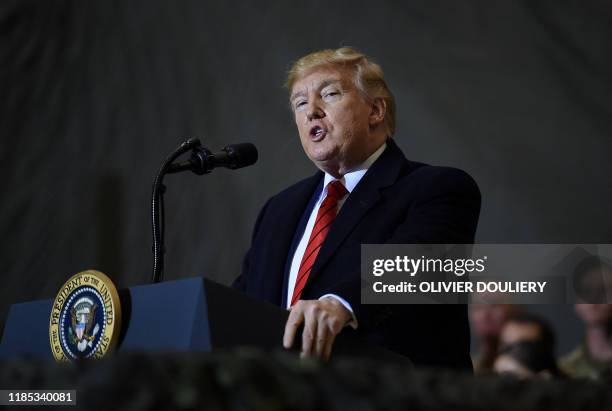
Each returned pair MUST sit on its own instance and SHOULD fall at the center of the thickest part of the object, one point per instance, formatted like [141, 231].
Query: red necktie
[325, 217]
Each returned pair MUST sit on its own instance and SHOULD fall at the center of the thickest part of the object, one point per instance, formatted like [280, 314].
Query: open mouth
[317, 133]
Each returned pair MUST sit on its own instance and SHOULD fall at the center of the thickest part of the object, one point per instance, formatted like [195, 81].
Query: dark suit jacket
[397, 202]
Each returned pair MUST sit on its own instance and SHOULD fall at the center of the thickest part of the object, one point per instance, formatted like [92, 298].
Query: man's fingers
[296, 316]
[310, 330]
[328, 346]
[323, 335]
[322, 321]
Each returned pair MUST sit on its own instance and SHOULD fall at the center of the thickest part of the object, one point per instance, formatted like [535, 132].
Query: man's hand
[322, 319]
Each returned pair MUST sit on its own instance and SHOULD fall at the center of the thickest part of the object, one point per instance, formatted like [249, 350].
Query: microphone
[203, 161]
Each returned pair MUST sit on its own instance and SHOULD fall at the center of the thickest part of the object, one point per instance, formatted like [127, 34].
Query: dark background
[94, 95]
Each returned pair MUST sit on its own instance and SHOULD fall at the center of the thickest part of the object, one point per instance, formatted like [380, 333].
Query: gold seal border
[112, 329]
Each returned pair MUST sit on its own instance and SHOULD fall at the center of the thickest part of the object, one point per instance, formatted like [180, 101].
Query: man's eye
[299, 104]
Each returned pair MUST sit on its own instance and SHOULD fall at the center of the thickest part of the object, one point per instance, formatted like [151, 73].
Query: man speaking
[305, 251]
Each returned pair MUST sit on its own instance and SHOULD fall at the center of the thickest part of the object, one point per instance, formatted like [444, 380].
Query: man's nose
[314, 112]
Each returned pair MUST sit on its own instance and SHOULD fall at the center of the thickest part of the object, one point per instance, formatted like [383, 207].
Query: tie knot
[336, 190]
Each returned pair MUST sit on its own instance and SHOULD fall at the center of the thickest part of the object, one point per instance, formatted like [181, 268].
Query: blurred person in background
[527, 327]
[527, 359]
[486, 321]
[593, 285]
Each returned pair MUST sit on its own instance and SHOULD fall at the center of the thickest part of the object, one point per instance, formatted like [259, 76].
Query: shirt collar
[350, 180]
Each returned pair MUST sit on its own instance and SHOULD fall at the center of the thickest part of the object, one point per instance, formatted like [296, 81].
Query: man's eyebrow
[327, 82]
[320, 86]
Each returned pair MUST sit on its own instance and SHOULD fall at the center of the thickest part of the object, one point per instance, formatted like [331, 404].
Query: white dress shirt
[350, 181]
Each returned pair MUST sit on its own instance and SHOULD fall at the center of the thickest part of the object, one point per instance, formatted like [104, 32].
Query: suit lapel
[383, 173]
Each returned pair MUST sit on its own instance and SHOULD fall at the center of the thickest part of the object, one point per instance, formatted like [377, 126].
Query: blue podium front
[169, 316]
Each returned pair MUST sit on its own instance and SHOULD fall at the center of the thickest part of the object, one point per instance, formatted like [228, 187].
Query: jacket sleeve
[240, 282]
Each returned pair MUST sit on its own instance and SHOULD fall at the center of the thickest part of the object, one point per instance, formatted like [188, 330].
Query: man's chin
[321, 157]
[326, 160]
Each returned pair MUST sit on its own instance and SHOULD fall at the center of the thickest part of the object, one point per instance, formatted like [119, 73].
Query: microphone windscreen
[241, 155]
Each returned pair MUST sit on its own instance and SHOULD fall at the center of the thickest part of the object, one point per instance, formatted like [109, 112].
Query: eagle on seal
[82, 316]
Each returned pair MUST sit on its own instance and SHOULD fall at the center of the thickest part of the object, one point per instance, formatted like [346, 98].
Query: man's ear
[378, 111]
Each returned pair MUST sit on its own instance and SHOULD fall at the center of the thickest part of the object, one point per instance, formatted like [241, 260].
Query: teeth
[317, 131]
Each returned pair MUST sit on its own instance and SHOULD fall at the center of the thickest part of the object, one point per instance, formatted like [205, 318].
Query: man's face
[594, 314]
[487, 320]
[513, 332]
[335, 123]
[595, 287]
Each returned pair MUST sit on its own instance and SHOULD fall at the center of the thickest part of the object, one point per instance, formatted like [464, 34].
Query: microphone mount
[203, 161]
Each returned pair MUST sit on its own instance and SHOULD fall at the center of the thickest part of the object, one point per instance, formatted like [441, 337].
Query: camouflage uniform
[579, 364]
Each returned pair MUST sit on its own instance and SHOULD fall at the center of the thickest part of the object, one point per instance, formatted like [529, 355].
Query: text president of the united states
[305, 251]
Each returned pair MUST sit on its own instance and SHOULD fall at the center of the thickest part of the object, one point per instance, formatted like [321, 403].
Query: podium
[194, 314]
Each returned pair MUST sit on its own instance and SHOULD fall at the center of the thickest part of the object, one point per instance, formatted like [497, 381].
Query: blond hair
[369, 77]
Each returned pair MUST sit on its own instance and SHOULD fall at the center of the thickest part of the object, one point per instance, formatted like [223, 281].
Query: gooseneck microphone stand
[202, 161]
[157, 208]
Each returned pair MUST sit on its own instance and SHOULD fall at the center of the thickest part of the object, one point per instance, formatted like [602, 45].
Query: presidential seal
[85, 318]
